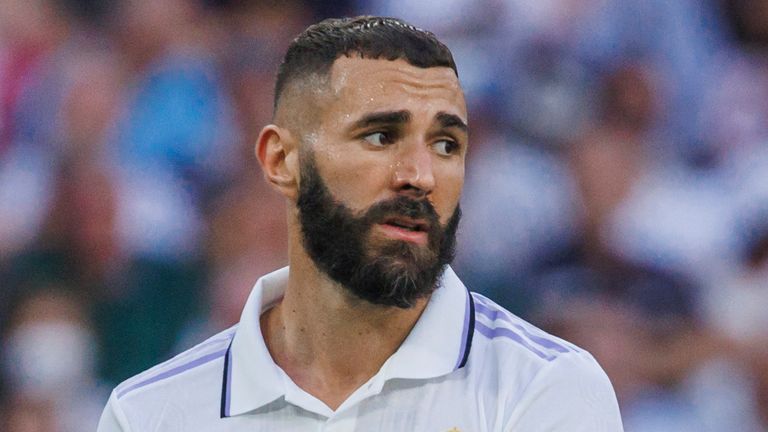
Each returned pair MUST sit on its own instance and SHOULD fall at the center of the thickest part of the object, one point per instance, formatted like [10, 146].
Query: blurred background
[616, 195]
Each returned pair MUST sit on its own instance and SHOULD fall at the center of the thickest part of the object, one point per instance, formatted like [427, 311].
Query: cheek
[358, 189]
[357, 182]
[448, 193]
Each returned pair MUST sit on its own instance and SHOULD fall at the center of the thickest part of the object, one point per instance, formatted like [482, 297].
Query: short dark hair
[316, 49]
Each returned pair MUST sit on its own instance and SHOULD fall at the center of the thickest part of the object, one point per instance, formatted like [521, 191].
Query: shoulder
[189, 380]
[502, 334]
[540, 377]
[176, 369]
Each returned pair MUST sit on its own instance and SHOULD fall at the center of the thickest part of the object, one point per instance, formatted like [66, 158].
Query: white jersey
[467, 366]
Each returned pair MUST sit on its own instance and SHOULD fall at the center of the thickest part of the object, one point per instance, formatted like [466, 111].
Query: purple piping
[541, 341]
[501, 332]
[173, 372]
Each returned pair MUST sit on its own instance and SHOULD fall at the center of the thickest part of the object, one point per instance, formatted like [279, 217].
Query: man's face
[381, 177]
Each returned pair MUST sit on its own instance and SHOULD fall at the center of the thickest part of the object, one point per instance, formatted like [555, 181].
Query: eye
[379, 139]
[446, 147]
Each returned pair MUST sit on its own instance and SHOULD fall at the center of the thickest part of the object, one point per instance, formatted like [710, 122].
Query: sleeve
[113, 419]
[570, 394]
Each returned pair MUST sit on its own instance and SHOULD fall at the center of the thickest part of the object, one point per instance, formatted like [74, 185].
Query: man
[369, 329]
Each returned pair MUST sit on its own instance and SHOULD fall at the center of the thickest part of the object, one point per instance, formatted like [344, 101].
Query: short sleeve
[573, 394]
[113, 419]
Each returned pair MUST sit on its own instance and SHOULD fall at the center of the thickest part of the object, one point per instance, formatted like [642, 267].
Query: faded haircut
[315, 50]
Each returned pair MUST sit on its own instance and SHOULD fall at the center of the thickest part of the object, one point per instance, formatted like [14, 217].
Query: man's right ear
[277, 152]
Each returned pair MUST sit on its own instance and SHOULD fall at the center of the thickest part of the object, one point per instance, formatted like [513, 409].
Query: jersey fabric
[467, 366]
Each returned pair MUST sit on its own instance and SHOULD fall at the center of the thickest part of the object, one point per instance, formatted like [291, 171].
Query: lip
[419, 224]
[398, 233]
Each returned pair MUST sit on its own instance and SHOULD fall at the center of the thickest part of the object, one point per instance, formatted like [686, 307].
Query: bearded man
[369, 329]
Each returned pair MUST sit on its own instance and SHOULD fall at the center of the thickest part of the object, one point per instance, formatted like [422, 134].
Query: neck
[326, 340]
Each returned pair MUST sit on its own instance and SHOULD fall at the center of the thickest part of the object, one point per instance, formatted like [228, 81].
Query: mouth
[405, 229]
[410, 224]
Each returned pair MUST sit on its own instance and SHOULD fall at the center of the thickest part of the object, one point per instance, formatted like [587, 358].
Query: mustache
[403, 206]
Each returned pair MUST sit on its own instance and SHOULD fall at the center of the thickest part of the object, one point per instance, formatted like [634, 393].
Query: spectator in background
[29, 31]
[62, 107]
[735, 122]
[49, 58]
[63, 176]
[645, 328]
[734, 304]
[49, 363]
[173, 140]
[137, 304]
[611, 157]
[177, 116]
[684, 216]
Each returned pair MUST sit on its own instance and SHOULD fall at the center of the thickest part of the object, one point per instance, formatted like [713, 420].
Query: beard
[380, 271]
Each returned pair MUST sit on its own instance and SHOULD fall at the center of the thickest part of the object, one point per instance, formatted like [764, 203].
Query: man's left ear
[278, 155]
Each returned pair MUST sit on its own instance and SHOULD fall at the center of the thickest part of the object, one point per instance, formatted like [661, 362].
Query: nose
[413, 170]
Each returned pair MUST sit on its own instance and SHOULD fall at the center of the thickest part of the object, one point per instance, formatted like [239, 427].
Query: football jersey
[467, 365]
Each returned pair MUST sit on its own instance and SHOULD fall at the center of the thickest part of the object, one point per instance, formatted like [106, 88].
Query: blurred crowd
[616, 193]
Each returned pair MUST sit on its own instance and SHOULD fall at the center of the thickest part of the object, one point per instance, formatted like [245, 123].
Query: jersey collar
[438, 345]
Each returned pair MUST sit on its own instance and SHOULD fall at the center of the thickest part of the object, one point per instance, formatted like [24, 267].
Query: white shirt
[467, 366]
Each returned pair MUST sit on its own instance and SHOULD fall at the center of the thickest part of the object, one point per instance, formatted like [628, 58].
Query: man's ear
[277, 152]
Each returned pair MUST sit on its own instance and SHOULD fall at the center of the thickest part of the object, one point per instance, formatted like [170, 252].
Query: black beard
[387, 273]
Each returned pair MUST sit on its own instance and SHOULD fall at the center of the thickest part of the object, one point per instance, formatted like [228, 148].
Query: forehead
[359, 86]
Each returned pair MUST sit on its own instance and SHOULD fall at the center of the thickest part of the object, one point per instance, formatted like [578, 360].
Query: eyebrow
[451, 120]
[445, 120]
[383, 118]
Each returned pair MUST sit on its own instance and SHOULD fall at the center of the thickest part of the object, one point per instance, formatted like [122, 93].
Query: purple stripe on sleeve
[501, 332]
[224, 337]
[173, 372]
[493, 314]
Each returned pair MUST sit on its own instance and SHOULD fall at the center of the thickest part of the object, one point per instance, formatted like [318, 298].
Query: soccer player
[369, 329]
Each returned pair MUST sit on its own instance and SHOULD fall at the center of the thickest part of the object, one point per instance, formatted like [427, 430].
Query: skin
[326, 340]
